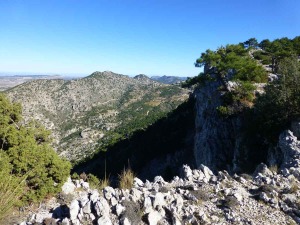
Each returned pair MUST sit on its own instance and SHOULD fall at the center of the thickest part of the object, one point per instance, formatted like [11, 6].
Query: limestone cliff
[217, 138]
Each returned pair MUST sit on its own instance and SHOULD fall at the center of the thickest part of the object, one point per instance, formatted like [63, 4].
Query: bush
[236, 100]
[11, 188]
[201, 79]
[280, 104]
[126, 179]
[263, 57]
[96, 183]
[224, 111]
[27, 149]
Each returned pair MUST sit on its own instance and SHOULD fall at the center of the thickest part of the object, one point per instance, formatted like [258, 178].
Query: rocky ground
[269, 196]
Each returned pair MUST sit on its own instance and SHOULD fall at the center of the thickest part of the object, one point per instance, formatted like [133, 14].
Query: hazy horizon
[131, 36]
[11, 74]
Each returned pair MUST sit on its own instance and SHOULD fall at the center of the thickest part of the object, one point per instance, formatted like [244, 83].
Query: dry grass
[294, 188]
[274, 168]
[104, 183]
[126, 179]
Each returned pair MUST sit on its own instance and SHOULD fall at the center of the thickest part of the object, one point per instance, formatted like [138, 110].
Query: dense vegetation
[242, 64]
[136, 116]
[167, 135]
[272, 52]
[280, 104]
[25, 154]
[234, 59]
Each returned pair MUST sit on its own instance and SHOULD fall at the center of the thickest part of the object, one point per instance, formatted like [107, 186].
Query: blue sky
[153, 37]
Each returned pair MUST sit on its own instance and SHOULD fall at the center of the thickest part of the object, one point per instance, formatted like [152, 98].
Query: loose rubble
[199, 196]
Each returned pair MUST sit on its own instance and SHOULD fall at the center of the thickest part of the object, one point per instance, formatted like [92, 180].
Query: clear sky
[153, 37]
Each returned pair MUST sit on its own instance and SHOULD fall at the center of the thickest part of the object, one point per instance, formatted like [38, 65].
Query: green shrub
[75, 176]
[12, 188]
[280, 104]
[263, 57]
[224, 110]
[27, 147]
[236, 100]
[201, 79]
[93, 181]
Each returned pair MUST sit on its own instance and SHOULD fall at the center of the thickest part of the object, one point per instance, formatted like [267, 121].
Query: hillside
[168, 79]
[103, 106]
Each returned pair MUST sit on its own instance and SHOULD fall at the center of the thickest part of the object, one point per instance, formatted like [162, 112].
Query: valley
[88, 114]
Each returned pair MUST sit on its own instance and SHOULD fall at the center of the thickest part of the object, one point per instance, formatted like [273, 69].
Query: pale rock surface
[74, 209]
[198, 197]
[68, 186]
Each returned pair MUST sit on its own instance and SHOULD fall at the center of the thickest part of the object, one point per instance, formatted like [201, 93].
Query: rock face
[290, 149]
[81, 112]
[217, 139]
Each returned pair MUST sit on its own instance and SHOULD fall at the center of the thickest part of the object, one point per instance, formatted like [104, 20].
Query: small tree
[28, 151]
[251, 43]
[264, 44]
[280, 104]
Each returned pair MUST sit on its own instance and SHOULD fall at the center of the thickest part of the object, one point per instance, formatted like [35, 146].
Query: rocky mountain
[168, 79]
[103, 106]
[269, 196]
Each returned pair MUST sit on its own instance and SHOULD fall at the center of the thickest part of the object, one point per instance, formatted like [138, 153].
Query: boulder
[87, 209]
[263, 171]
[147, 205]
[125, 221]
[109, 192]
[207, 172]
[94, 196]
[137, 182]
[68, 187]
[119, 209]
[65, 221]
[102, 207]
[135, 194]
[187, 172]
[153, 217]
[74, 210]
[159, 200]
[104, 220]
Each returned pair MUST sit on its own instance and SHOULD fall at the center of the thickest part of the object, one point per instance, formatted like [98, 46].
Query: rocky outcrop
[217, 139]
[289, 151]
[198, 197]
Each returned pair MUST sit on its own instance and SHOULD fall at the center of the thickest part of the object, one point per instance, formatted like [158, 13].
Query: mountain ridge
[80, 112]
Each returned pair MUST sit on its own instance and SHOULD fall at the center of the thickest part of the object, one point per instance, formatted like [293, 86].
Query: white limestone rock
[109, 192]
[104, 220]
[153, 217]
[74, 210]
[68, 187]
